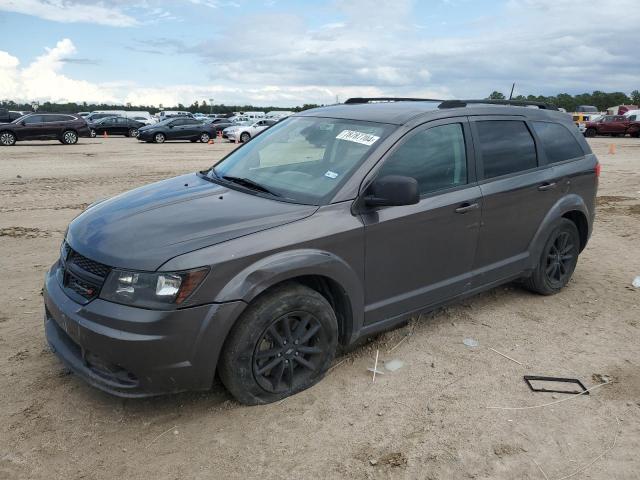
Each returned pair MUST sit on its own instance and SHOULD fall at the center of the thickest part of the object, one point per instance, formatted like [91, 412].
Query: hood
[144, 228]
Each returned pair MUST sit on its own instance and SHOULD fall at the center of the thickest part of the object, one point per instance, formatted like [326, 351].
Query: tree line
[600, 100]
[196, 106]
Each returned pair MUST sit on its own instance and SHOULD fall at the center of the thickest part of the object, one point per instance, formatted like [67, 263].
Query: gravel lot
[428, 419]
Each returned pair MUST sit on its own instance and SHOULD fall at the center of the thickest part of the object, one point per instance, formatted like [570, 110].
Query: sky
[287, 53]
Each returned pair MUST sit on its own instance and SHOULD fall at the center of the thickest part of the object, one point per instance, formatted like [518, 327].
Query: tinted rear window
[506, 146]
[557, 142]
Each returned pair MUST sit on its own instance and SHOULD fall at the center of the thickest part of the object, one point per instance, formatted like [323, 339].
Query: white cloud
[43, 80]
[68, 11]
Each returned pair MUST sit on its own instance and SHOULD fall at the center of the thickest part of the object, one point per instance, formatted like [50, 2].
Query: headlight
[158, 290]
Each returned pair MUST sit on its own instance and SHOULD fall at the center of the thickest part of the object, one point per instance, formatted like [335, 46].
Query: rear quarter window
[506, 146]
[557, 142]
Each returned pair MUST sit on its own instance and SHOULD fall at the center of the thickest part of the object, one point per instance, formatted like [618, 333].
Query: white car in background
[244, 133]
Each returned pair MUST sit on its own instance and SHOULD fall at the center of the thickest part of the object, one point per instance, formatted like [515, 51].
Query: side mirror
[392, 191]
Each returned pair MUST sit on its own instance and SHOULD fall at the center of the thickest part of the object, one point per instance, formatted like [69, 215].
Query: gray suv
[332, 225]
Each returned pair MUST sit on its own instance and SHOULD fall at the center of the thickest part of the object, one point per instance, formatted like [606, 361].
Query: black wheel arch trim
[300, 265]
[562, 208]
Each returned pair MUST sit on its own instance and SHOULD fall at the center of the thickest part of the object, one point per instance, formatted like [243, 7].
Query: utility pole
[211, 105]
[512, 87]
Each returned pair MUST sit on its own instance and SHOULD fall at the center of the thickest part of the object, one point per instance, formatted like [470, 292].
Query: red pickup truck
[613, 125]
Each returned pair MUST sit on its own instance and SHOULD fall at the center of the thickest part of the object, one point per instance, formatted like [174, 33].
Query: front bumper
[133, 352]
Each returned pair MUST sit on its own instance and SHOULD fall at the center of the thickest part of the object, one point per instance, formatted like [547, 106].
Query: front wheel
[590, 132]
[282, 344]
[204, 137]
[245, 137]
[69, 137]
[159, 138]
[93, 133]
[558, 260]
[7, 139]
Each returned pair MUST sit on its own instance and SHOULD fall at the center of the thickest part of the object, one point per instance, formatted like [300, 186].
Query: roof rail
[388, 99]
[519, 103]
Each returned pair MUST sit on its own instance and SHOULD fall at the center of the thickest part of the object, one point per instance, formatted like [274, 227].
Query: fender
[565, 204]
[282, 266]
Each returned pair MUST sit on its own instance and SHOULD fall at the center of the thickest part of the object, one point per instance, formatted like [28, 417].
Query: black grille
[81, 276]
[88, 265]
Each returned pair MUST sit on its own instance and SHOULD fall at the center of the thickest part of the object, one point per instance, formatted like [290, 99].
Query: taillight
[597, 170]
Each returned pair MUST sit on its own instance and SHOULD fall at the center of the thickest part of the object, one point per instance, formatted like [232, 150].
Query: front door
[419, 255]
[32, 128]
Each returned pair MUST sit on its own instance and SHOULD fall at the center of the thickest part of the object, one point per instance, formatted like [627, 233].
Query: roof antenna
[512, 87]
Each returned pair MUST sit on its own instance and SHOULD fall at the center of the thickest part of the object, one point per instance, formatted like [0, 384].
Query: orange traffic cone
[612, 149]
[104, 134]
[210, 142]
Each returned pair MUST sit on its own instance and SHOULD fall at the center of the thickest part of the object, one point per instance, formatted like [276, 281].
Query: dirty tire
[282, 344]
[558, 260]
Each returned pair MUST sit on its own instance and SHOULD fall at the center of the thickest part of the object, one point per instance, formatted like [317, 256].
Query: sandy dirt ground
[429, 419]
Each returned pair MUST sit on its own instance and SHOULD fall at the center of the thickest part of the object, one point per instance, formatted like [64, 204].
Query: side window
[506, 146]
[633, 117]
[557, 142]
[33, 119]
[435, 157]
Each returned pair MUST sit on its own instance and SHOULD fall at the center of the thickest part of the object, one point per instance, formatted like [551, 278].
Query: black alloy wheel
[558, 260]
[289, 352]
[282, 343]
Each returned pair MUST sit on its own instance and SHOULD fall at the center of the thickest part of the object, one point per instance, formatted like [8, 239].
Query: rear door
[419, 255]
[517, 192]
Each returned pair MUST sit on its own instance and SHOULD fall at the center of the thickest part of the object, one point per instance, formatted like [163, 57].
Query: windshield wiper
[245, 182]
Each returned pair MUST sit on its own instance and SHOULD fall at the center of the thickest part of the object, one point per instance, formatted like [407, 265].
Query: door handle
[466, 207]
[547, 186]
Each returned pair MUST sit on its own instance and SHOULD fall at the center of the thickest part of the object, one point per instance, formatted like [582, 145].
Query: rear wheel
[282, 344]
[69, 137]
[133, 132]
[93, 133]
[245, 137]
[204, 137]
[590, 132]
[558, 260]
[7, 139]
[159, 138]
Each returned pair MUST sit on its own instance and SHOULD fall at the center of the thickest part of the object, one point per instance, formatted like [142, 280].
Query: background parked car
[219, 124]
[613, 125]
[92, 117]
[8, 116]
[66, 128]
[115, 126]
[244, 133]
[177, 128]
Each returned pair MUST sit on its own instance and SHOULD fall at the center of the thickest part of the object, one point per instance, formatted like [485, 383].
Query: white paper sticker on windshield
[331, 174]
[357, 137]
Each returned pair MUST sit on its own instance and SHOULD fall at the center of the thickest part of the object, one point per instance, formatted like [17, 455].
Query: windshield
[303, 159]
